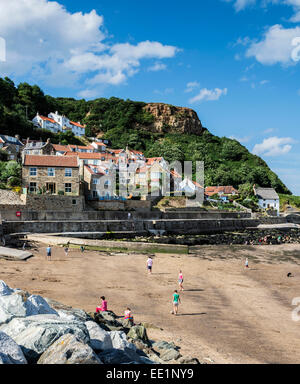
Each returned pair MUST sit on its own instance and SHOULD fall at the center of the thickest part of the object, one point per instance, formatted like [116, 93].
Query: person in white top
[246, 263]
[149, 265]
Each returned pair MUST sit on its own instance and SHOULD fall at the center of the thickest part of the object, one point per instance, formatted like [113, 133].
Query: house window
[95, 181]
[95, 194]
[33, 172]
[68, 172]
[51, 172]
[68, 187]
[106, 184]
[32, 187]
[74, 202]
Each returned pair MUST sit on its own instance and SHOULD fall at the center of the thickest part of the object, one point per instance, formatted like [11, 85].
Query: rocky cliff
[171, 119]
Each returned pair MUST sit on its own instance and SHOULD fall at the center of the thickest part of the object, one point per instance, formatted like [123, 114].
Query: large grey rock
[11, 306]
[68, 349]
[119, 341]
[169, 354]
[100, 339]
[138, 332]
[10, 352]
[37, 305]
[118, 356]
[36, 333]
[65, 310]
[188, 360]
[4, 289]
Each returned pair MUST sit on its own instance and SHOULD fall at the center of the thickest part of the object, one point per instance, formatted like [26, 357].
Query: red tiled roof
[50, 161]
[152, 160]
[227, 190]
[84, 155]
[100, 144]
[77, 124]
[61, 148]
[48, 119]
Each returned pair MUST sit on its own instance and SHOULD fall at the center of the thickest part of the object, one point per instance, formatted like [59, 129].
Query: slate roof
[266, 193]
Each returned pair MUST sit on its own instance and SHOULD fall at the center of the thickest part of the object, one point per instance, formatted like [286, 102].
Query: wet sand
[228, 314]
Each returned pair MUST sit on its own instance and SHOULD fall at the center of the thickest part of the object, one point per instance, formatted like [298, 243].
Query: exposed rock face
[171, 119]
[10, 352]
[69, 350]
[100, 339]
[34, 334]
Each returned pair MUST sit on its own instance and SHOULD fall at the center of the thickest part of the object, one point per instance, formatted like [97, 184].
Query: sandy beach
[228, 314]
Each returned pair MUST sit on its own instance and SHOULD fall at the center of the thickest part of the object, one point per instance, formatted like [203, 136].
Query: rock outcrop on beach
[37, 330]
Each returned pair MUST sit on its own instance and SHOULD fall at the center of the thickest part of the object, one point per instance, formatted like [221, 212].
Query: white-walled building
[268, 198]
[58, 123]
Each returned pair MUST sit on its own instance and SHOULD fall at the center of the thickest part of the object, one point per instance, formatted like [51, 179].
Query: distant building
[221, 191]
[267, 198]
[58, 123]
[11, 145]
[54, 174]
[99, 182]
[35, 147]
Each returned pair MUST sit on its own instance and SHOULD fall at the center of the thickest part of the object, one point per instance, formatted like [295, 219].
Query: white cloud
[274, 146]
[241, 4]
[209, 95]
[157, 67]
[276, 46]
[48, 43]
[191, 86]
[245, 139]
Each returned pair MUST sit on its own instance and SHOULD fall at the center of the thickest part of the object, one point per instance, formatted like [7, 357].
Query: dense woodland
[124, 122]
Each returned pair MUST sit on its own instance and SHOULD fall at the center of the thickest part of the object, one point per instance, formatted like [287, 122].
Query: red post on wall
[18, 214]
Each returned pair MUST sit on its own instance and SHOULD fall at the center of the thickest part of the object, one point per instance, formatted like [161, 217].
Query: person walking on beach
[176, 302]
[246, 263]
[82, 248]
[149, 265]
[103, 307]
[66, 250]
[180, 280]
[128, 316]
[48, 250]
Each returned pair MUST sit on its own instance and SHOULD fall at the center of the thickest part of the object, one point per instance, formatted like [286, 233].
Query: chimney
[48, 141]
[17, 137]
[27, 141]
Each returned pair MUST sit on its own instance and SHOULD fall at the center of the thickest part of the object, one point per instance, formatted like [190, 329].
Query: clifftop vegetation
[126, 122]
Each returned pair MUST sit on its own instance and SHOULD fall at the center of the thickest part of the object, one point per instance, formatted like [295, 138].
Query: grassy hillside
[288, 200]
[227, 162]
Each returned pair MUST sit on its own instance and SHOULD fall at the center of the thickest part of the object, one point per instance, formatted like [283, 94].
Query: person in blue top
[48, 252]
[176, 302]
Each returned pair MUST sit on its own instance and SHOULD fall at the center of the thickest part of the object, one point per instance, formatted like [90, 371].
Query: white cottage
[267, 198]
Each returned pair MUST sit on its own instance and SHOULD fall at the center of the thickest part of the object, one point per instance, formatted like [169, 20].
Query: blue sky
[233, 61]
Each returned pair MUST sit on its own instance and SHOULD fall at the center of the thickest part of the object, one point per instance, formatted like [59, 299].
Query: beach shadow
[192, 314]
[159, 273]
[194, 290]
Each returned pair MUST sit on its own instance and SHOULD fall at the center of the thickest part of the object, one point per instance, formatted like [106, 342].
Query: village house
[12, 146]
[267, 198]
[35, 147]
[58, 123]
[222, 191]
[99, 182]
[51, 174]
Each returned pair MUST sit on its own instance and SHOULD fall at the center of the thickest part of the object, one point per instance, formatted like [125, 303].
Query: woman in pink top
[180, 280]
[103, 307]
